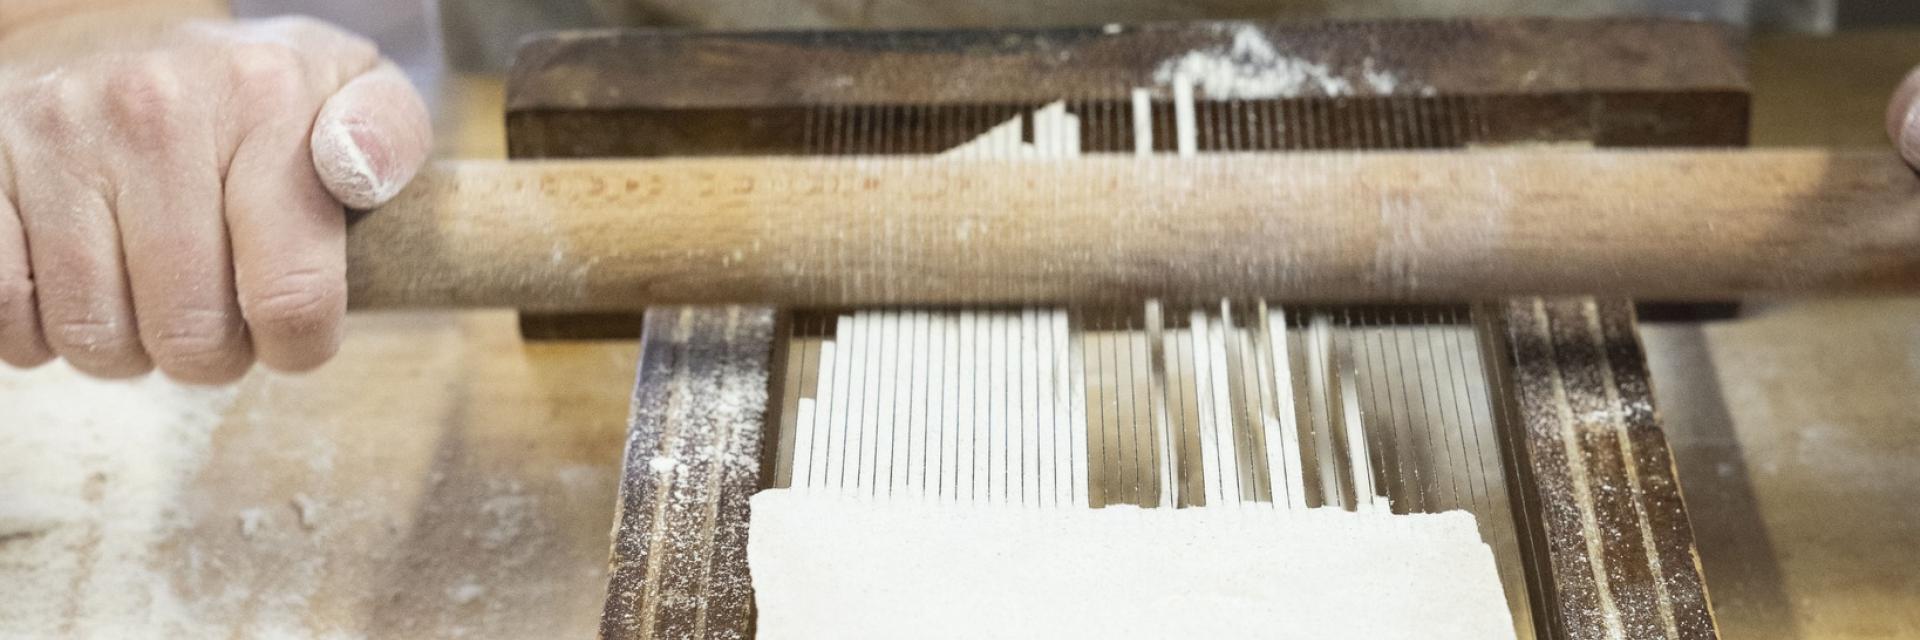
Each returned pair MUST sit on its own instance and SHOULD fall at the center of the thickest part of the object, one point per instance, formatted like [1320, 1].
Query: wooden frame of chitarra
[1612, 553]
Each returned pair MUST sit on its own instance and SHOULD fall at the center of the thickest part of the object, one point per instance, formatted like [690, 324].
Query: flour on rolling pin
[826, 566]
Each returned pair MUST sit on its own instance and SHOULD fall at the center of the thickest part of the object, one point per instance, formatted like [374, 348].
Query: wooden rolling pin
[1373, 226]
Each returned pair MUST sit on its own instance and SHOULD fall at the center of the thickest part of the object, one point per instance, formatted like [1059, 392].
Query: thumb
[1903, 118]
[371, 138]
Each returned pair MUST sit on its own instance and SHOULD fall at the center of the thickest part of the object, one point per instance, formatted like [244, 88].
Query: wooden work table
[442, 478]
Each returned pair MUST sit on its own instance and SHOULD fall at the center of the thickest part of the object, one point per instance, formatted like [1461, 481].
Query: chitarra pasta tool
[1352, 265]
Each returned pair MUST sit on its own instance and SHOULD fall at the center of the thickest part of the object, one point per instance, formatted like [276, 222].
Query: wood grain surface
[692, 462]
[1426, 83]
[599, 235]
[1612, 551]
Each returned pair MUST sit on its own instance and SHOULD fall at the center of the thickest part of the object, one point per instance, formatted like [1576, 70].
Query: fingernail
[356, 164]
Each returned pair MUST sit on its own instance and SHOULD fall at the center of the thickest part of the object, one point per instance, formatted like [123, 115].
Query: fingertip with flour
[370, 138]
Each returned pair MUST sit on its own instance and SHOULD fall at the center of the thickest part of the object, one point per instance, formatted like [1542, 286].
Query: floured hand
[172, 195]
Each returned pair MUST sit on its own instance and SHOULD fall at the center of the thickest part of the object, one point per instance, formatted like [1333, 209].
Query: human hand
[172, 196]
[1903, 118]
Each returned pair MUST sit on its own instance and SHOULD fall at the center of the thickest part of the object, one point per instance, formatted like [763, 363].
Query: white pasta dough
[826, 566]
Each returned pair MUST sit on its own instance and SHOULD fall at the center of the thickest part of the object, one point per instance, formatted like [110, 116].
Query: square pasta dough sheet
[826, 566]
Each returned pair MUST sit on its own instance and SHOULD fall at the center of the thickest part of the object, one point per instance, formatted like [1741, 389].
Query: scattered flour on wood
[251, 521]
[1382, 82]
[466, 592]
[663, 465]
[308, 509]
[1251, 67]
[90, 476]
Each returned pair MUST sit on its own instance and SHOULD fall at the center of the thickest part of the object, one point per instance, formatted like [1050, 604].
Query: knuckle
[197, 342]
[98, 347]
[297, 303]
[52, 107]
[144, 97]
[85, 335]
[48, 120]
[266, 72]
